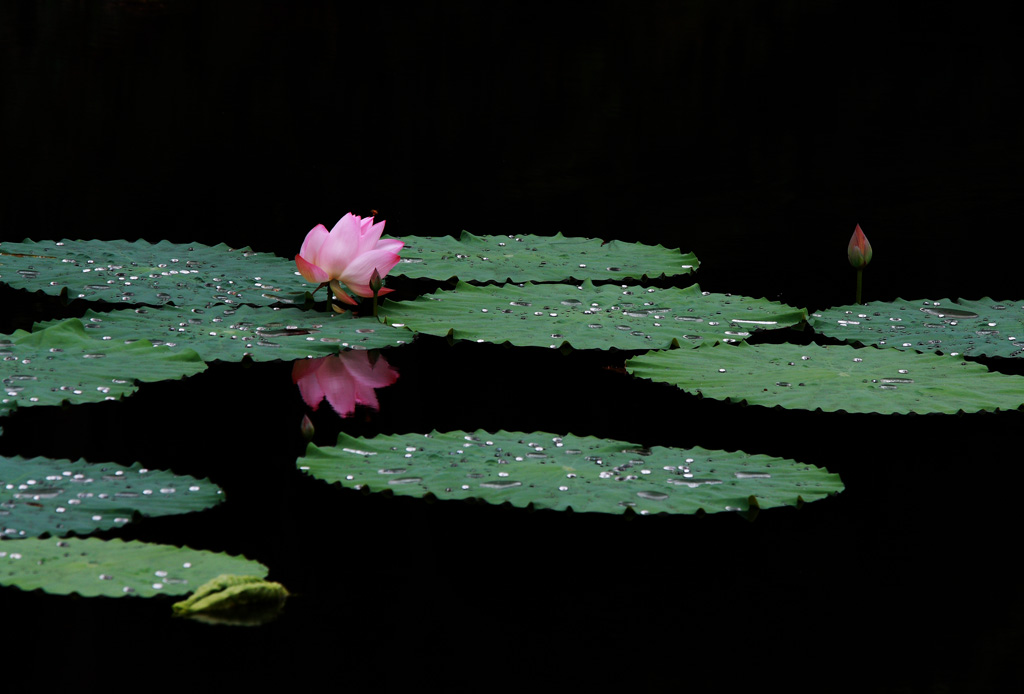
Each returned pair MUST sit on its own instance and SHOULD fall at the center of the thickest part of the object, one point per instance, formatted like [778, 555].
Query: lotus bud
[859, 250]
[307, 428]
[376, 282]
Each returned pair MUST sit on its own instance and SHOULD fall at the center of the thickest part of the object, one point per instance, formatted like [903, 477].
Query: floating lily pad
[229, 333]
[537, 258]
[832, 378]
[91, 567]
[43, 496]
[63, 362]
[139, 272]
[589, 316]
[962, 328]
[558, 472]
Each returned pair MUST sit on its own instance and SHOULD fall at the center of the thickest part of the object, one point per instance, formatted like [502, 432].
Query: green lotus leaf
[832, 378]
[92, 567]
[958, 328]
[43, 496]
[561, 472]
[589, 316]
[64, 362]
[139, 272]
[537, 258]
[229, 333]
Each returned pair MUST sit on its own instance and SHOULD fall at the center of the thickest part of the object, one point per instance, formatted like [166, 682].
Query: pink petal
[340, 247]
[367, 377]
[340, 294]
[309, 271]
[364, 290]
[339, 385]
[345, 298]
[344, 403]
[313, 241]
[393, 245]
[303, 367]
[380, 375]
[349, 224]
[367, 396]
[370, 236]
[360, 269]
[363, 391]
[304, 376]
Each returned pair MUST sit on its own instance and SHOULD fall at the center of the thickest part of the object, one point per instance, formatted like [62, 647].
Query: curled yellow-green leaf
[229, 594]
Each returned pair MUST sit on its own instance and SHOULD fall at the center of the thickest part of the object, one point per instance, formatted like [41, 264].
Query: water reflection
[344, 379]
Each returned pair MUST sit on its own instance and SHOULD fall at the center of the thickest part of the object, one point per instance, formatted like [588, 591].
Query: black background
[754, 134]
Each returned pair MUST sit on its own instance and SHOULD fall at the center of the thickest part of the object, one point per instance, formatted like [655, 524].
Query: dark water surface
[753, 134]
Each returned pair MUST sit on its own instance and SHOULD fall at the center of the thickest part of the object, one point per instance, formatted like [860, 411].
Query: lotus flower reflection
[345, 380]
[348, 254]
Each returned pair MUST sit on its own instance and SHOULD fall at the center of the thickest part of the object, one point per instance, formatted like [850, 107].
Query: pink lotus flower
[345, 380]
[859, 250]
[349, 253]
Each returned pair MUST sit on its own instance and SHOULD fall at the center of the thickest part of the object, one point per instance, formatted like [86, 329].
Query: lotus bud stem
[376, 282]
[859, 253]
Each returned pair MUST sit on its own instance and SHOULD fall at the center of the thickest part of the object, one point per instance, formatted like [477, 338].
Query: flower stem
[860, 277]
